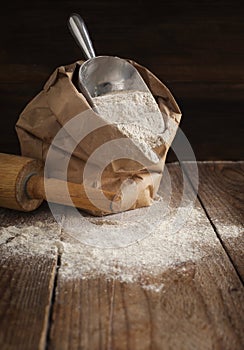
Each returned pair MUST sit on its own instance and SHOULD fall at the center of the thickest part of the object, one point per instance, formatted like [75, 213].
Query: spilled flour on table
[37, 239]
[149, 256]
[229, 231]
[154, 253]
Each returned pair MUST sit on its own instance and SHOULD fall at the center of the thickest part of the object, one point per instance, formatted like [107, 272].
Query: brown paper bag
[46, 121]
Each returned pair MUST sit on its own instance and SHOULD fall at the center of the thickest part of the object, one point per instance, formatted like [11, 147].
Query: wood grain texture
[198, 308]
[221, 190]
[26, 289]
[195, 48]
[55, 191]
[27, 282]
[195, 304]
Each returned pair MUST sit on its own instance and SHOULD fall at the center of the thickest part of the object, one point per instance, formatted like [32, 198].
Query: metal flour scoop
[100, 75]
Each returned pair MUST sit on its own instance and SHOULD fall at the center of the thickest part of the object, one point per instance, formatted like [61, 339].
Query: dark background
[195, 47]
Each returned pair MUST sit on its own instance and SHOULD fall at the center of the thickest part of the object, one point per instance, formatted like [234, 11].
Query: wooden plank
[189, 298]
[27, 273]
[81, 318]
[221, 191]
[26, 289]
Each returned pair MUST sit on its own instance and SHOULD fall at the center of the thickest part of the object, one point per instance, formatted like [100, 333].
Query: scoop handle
[79, 31]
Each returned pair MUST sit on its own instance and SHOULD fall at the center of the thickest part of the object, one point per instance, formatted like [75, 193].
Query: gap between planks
[113, 286]
[52, 302]
[47, 326]
[220, 239]
[77, 330]
[208, 214]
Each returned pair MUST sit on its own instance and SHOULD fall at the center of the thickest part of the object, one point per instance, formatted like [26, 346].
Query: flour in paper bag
[136, 115]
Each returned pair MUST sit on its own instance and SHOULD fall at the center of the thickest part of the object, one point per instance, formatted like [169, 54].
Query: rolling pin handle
[14, 177]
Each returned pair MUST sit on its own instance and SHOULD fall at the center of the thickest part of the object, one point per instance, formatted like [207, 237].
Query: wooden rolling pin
[22, 187]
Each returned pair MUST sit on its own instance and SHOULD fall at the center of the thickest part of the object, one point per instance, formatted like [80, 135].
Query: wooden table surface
[193, 300]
